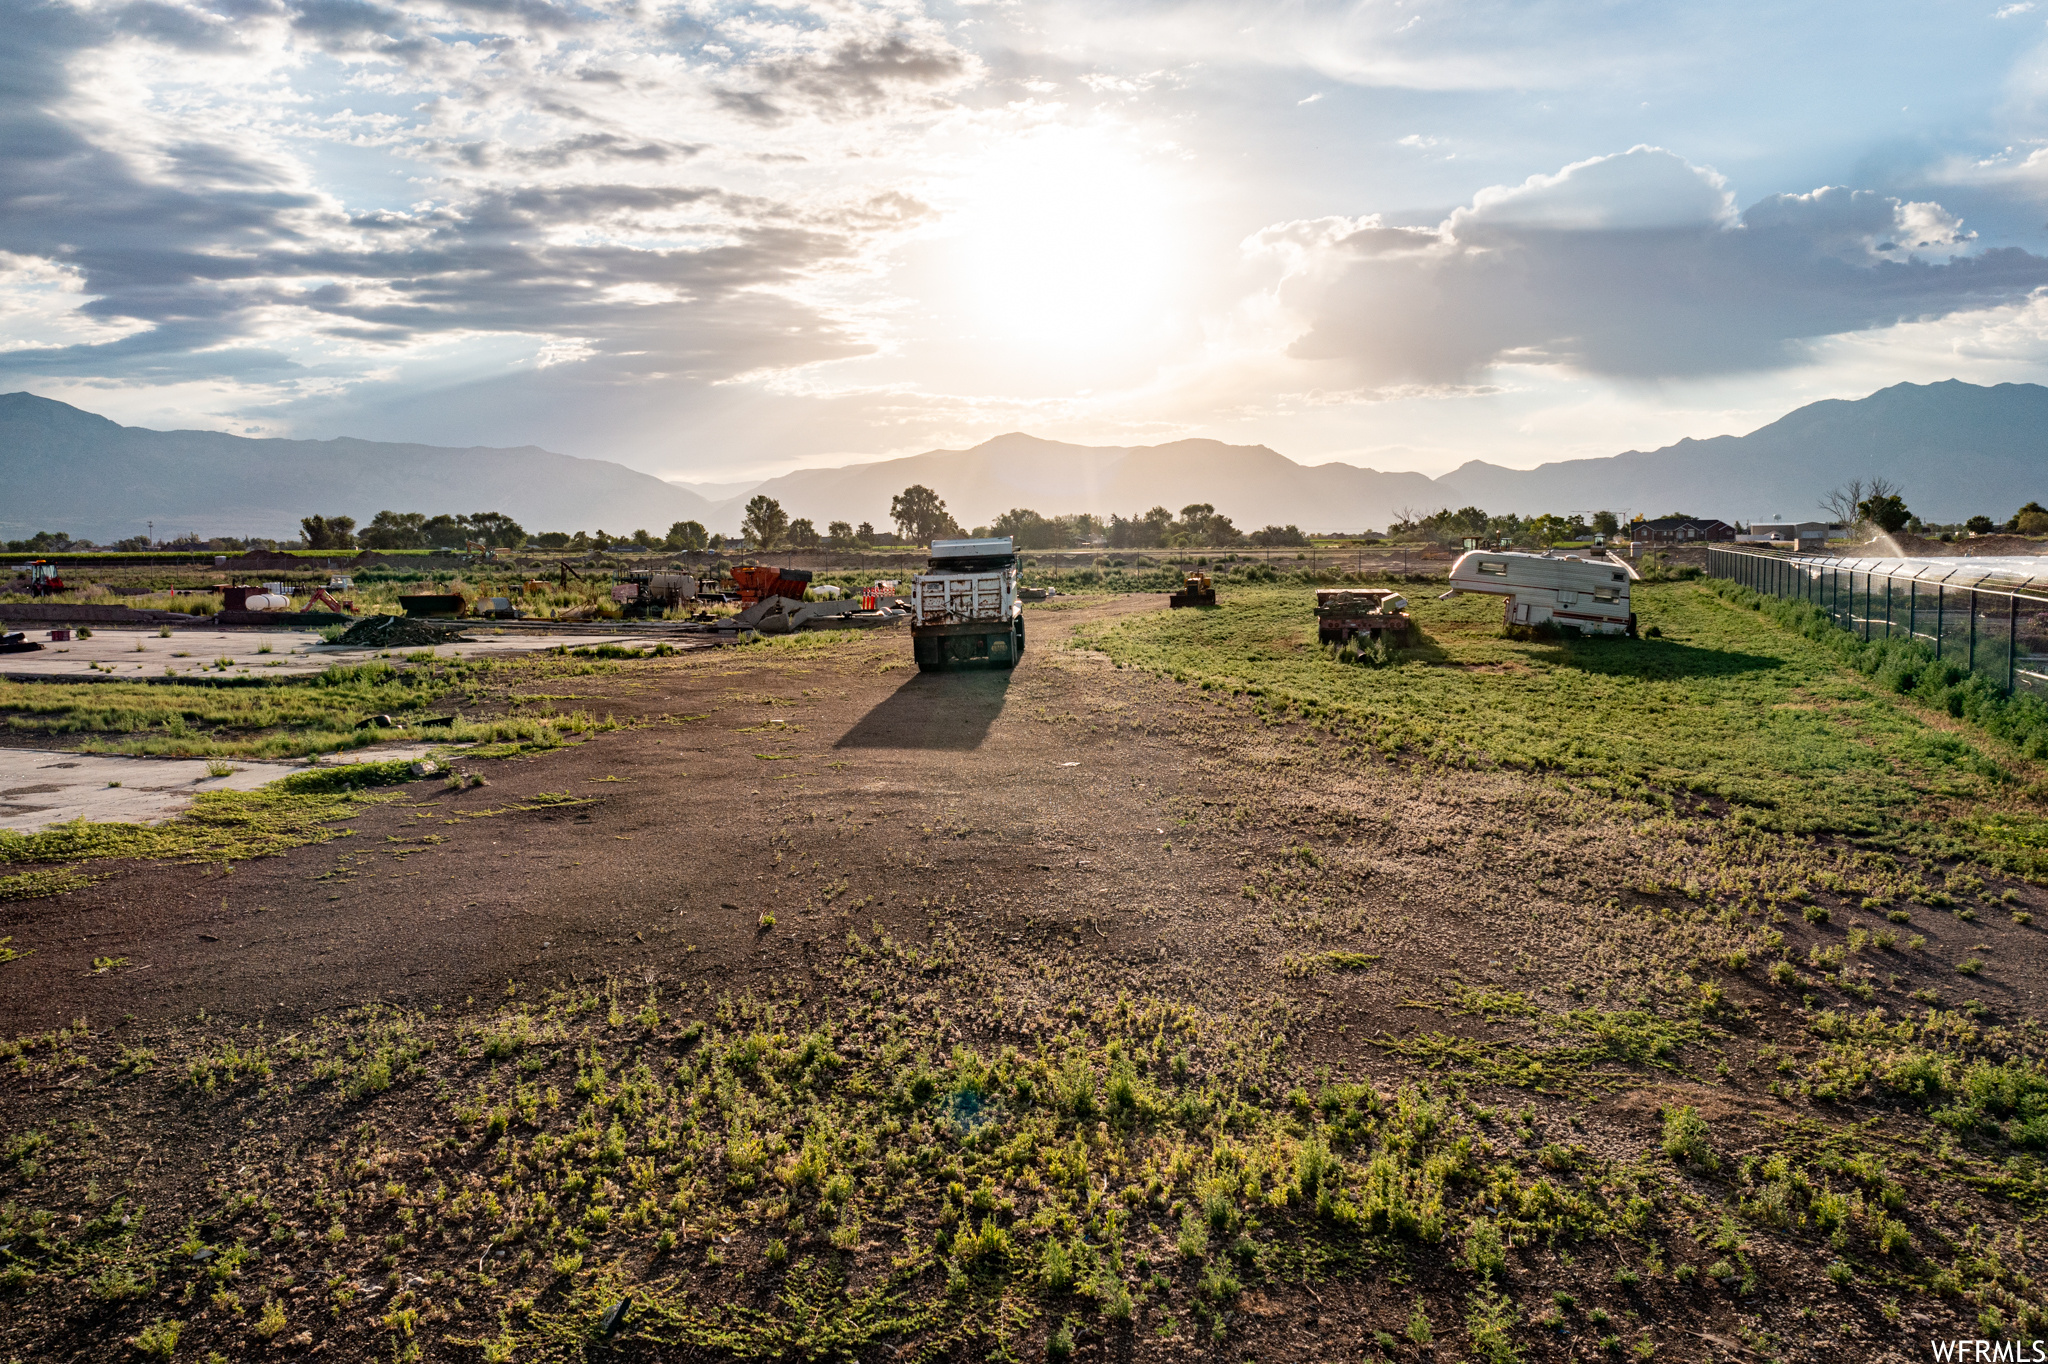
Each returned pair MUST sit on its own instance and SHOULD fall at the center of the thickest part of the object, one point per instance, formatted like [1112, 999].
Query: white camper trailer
[1590, 594]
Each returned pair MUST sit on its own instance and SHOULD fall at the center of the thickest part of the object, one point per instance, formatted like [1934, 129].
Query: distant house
[1792, 534]
[1680, 530]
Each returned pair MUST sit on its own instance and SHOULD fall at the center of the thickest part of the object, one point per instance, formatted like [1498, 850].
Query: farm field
[1185, 993]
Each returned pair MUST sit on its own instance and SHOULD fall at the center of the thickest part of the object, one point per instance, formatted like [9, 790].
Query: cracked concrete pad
[39, 788]
[129, 655]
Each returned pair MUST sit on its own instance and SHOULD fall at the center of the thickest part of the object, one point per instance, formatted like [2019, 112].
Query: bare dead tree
[1841, 503]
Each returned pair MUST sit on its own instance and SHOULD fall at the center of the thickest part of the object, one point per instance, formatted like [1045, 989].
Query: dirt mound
[399, 632]
[1978, 546]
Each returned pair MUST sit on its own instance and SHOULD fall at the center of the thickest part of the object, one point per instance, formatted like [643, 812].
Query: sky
[720, 241]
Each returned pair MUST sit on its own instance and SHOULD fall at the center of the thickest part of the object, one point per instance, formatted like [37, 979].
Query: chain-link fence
[1987, 618]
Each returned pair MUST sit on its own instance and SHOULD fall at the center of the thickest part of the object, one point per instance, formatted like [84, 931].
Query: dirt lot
[1070, 856]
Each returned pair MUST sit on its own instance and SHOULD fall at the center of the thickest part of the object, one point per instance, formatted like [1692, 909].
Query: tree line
[919, 516]
[1474, 523]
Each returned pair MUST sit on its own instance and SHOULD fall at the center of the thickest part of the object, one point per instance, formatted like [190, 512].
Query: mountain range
[1957, 450]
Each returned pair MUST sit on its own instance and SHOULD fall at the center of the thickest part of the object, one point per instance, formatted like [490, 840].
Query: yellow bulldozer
[1196, 590]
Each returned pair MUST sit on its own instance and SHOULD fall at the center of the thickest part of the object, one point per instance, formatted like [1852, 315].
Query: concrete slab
[39, 788]
[127, 655]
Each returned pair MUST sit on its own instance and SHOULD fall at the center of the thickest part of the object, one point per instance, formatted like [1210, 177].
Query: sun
[1069, 238]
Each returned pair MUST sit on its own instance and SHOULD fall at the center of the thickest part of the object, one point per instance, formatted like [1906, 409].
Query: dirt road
[1082, 832]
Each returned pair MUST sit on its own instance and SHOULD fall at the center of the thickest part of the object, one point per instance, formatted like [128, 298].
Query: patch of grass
[222, 825]
[1316, 963]
[268, 717]
[34, 885]
[1685, 1138]
[1723, 706]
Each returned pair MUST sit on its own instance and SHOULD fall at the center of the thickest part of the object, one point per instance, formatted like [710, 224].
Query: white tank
[267, 601]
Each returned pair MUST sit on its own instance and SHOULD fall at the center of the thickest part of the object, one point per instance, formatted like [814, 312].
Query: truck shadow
[949, 710]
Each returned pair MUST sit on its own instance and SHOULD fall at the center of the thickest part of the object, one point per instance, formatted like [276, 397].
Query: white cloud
[1643, 188]
[1633, 265]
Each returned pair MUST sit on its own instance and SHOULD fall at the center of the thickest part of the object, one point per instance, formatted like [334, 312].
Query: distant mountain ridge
[65, 469]
[1957, 449]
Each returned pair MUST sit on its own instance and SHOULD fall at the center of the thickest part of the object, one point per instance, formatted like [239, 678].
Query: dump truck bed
[963, 608]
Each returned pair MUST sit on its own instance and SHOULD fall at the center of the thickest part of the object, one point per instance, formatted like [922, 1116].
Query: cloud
[857, 76]
[161, 222]
[1633, 265]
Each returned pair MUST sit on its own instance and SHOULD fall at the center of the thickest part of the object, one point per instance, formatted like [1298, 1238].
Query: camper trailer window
[1606, 594]
[1621, 577]
[1498, 569]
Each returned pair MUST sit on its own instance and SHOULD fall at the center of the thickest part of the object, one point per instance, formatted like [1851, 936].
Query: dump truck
[1343, 613]
[1195, 590]
[1588, 594]
[964, 609]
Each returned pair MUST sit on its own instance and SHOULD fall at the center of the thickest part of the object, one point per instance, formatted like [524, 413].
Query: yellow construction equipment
[1196, 590]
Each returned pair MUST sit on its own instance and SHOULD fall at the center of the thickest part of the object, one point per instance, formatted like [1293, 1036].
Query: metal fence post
[1971, 661]
[1913, 610]
[1887, 606]
[2012, 639]
[1940, 621]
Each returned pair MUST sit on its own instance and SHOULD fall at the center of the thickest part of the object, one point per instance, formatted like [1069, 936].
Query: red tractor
[45, 579]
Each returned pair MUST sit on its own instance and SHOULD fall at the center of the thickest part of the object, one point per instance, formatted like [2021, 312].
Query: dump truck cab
[1589, 594]
[964, 609]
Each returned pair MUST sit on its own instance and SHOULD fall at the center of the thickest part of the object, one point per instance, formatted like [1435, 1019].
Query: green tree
[1980, 525]
[803, 534]
[395, 530]
[2031, 519]
[920, 515]
[644, 538]
[495, 529]
[1606, 523]
[445, 531]
[765, 523]
[686, 536]
[328, 532]
[1270, 537]
[840, 534]
[1031, 531]
[866, 533]
[1888, 512]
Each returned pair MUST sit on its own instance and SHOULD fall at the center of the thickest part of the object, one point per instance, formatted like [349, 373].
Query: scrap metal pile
[1342, 613]
[779, 615]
